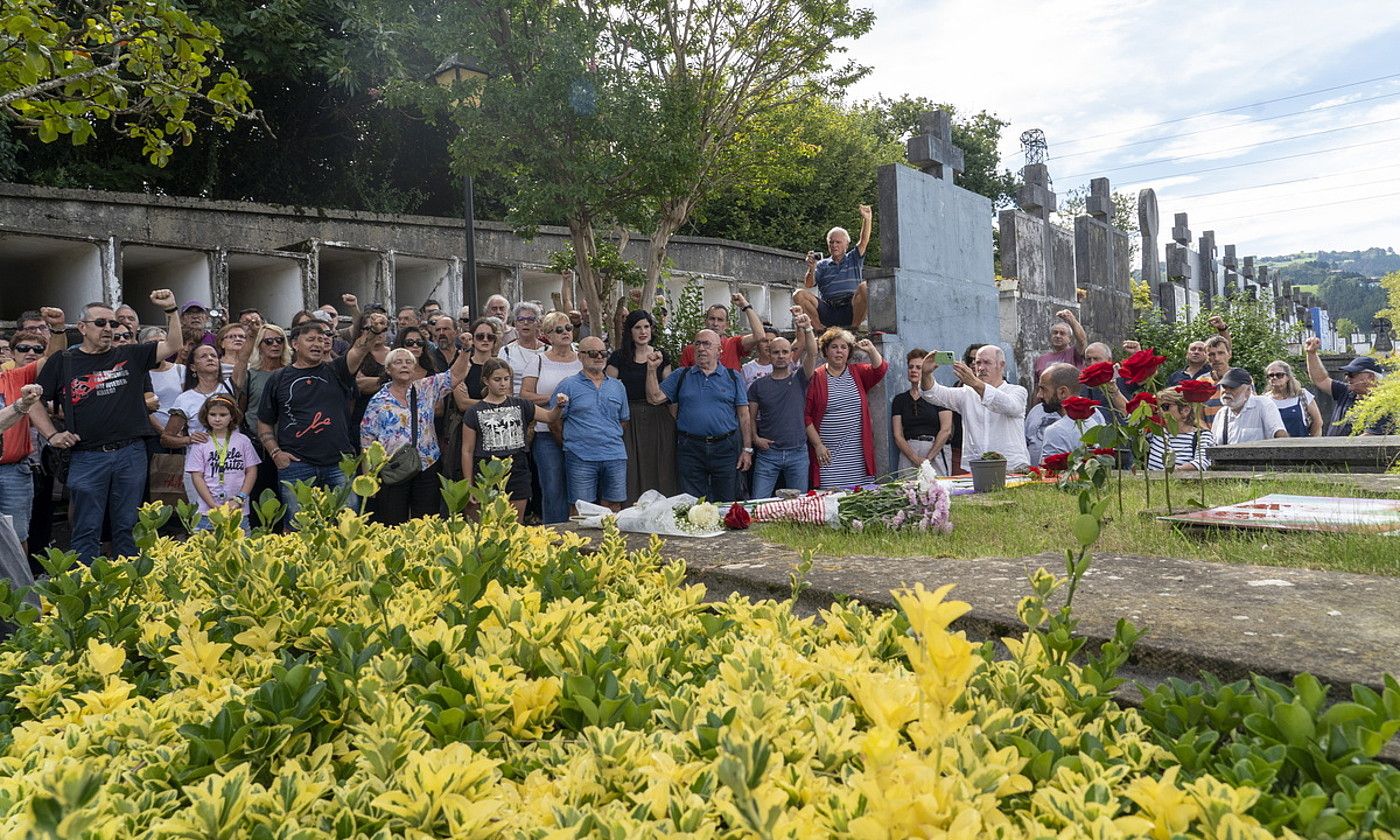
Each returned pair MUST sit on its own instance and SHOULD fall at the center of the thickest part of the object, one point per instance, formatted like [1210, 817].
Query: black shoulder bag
[404, 464]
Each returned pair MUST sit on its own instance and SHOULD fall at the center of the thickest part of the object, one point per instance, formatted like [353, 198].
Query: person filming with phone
[840, 299]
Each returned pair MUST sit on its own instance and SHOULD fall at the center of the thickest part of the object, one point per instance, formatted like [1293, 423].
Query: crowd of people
[253, 406]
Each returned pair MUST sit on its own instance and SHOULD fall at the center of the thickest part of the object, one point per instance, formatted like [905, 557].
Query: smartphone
[943, 357]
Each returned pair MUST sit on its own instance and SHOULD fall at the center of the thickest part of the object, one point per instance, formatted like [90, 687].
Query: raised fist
[1131, 346]
[1313, 344]
[53, 316]
[802, 321]
[867, 345]
[865, 212]
[1065, 315]
[1218, 323]
[28, 395]
[739, 300]
[349, 300]
[164, 298]
[654, 360]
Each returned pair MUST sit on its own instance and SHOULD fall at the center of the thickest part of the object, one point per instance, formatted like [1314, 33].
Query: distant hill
[1371, 262]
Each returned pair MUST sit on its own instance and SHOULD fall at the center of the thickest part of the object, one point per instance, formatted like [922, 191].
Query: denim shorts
[593, 481]
[17, 495]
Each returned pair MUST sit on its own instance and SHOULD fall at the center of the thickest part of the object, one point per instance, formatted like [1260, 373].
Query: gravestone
[1038, 260]
[1251, 288]
[1231, 282]
[1103, 267]
[936, 285]
[1150, 272]
[1210, 270]
[1182, 265]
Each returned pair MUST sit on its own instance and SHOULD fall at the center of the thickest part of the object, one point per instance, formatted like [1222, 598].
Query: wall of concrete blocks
[70, 247]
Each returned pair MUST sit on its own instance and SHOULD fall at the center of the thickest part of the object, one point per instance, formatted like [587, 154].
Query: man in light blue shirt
[1058, 383]
[843, 298]
[595, 459]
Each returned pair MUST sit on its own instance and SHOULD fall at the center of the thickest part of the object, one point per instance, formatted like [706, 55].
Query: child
[496, 426]
[224, 467]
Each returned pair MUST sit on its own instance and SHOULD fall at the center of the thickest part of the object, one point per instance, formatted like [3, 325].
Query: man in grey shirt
[778, 402]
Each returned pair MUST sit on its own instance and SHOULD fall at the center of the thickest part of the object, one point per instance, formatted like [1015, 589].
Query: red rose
[1079, 408]
[1105, 450]
[1055, 463]
[1139, 367]
[1197, 390]
[737, 519]
[1096, 374]
[1138, 399]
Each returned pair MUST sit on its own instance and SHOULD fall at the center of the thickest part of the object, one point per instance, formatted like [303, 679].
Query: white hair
[844, 233]
[396, 352]
[527, 306]
[998, 354]
[501, 298]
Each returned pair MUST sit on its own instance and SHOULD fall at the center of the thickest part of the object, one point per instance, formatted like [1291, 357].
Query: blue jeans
[772, 465]
[327, 476]
[708, 470]
[596, 481]
[549, 468]
[17, 495]
[106, 484]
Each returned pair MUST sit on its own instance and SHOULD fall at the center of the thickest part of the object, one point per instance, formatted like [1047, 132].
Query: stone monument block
[1103, 266]
[1040, 256]
[1150, 272]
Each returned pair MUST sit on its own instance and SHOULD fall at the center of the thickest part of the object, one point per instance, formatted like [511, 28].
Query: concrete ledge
[1369, 454]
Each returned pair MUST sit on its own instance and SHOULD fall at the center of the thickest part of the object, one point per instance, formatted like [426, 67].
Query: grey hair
[97, 304]
[841, 231]
[149, 334]
[396, 352]
[501, 298]
[526, 306]
[997, 352]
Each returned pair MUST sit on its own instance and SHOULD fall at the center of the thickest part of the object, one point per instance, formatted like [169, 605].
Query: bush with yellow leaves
[453, 679]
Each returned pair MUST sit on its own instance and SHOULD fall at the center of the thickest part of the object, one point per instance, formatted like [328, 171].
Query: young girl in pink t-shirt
[224, 467]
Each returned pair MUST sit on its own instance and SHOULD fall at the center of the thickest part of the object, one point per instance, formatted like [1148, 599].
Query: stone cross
[1035, 196]
[1147, 229]
[933, 150]
[1099, 204]
[1230, 262]
[1248, 271]
[1209, 267]
[1181, 231]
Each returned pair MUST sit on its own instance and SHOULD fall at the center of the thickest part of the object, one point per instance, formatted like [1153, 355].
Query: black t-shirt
[633, 375]
[475, 388]
[917, 418]
[369, 367]
[1343, 398]
[309, 408]
[500, 429]
[102, 394]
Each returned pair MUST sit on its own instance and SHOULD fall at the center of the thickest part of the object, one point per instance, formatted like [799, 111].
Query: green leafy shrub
[1258, 338]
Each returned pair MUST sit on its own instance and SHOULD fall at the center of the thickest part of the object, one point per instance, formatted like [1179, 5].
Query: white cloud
[1096, 76]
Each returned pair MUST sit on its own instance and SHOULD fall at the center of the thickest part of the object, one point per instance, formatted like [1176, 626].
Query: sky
[1127, 90]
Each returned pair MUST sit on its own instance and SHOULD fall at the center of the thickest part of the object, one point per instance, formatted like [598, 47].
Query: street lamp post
[453, 71]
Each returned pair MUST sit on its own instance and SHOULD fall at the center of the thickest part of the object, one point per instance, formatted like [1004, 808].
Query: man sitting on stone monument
[993, 410]
[1362, 375]
[1245, 416]
[1058, 383]
[843, 297]
[1067, 344]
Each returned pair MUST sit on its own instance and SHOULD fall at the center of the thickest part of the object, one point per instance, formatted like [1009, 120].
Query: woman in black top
[483, 341]
[651, 436]
[921, 430]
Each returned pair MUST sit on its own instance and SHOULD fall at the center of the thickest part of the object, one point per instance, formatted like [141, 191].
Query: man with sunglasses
[595, 415]
[99, 386]
[1362, 375]
[31, 350]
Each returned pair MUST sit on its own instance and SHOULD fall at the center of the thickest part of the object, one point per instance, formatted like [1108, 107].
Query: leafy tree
[1258, 338]
[1352, 297]
[145, 66]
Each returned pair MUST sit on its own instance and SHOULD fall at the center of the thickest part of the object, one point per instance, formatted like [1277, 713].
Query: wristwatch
[748, 449]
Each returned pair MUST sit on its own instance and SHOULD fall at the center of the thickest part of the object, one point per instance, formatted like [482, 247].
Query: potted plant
[988, 472]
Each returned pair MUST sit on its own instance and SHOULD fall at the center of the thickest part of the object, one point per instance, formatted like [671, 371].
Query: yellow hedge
[334, 684]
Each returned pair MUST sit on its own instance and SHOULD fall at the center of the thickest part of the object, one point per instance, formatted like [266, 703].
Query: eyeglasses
[413, 342]
[595, 354]
[526, 319]
[562, 330]
[274, 339]
[485, 336]
[1277, 375]
[28, 348]
[102, 322]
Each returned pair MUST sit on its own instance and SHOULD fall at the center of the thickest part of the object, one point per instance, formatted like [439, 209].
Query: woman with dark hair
[417, 341]
[650, 437]
[480, 343]
[370, 378]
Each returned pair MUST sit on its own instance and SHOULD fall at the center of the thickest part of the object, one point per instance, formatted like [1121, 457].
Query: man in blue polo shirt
[1362, 375]
[713, 438]
[595, 413]
[843, 299]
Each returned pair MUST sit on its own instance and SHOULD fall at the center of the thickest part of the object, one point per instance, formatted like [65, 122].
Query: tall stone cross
[1232, 265]
[1209, 268]
[1035, 196]
[1147, 228]
[933, 150]
[1099, 204]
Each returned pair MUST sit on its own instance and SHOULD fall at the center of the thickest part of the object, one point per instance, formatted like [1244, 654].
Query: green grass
[1030, 520]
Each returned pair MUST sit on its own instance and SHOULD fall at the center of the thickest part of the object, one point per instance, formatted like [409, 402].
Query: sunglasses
[485, 336]
[102, 322]
[1277, 375]
[274, 339]
[526, 319]
[562, 330]
[121, 336]
[28, 348]
[413, 342]
[595, 354]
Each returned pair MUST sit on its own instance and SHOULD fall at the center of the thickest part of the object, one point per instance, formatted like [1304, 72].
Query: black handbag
[404, 464]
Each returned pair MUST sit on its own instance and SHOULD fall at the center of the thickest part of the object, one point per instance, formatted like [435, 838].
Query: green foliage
[616, 274]
[1352, 297]
[146, 66]
[686, 318]
[1257, 337]
[1383, 403]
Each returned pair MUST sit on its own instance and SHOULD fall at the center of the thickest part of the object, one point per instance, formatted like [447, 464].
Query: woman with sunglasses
[538, 385]
[481, 339]
[650, 437]
[1297, 408]
[167, 380]
[371, 375]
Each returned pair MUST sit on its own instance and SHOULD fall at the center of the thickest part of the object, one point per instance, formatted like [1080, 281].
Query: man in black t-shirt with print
[1362, 375]
[304, 418]
[99, 387]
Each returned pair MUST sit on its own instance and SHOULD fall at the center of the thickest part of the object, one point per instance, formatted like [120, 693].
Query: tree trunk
[670, 217]
[582, 238]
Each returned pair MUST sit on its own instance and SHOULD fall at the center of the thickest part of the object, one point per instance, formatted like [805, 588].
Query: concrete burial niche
[340, 270]
[144, 268]
[416, 279]
[272, 283]
[539, 285]
[40, 271]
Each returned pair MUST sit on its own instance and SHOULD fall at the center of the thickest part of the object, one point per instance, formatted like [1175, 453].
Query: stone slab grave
[1364, 454]
[1228, 620]
[1103, 268]
[935, 288]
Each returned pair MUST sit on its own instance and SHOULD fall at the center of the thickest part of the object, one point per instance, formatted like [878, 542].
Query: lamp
[452, 72]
